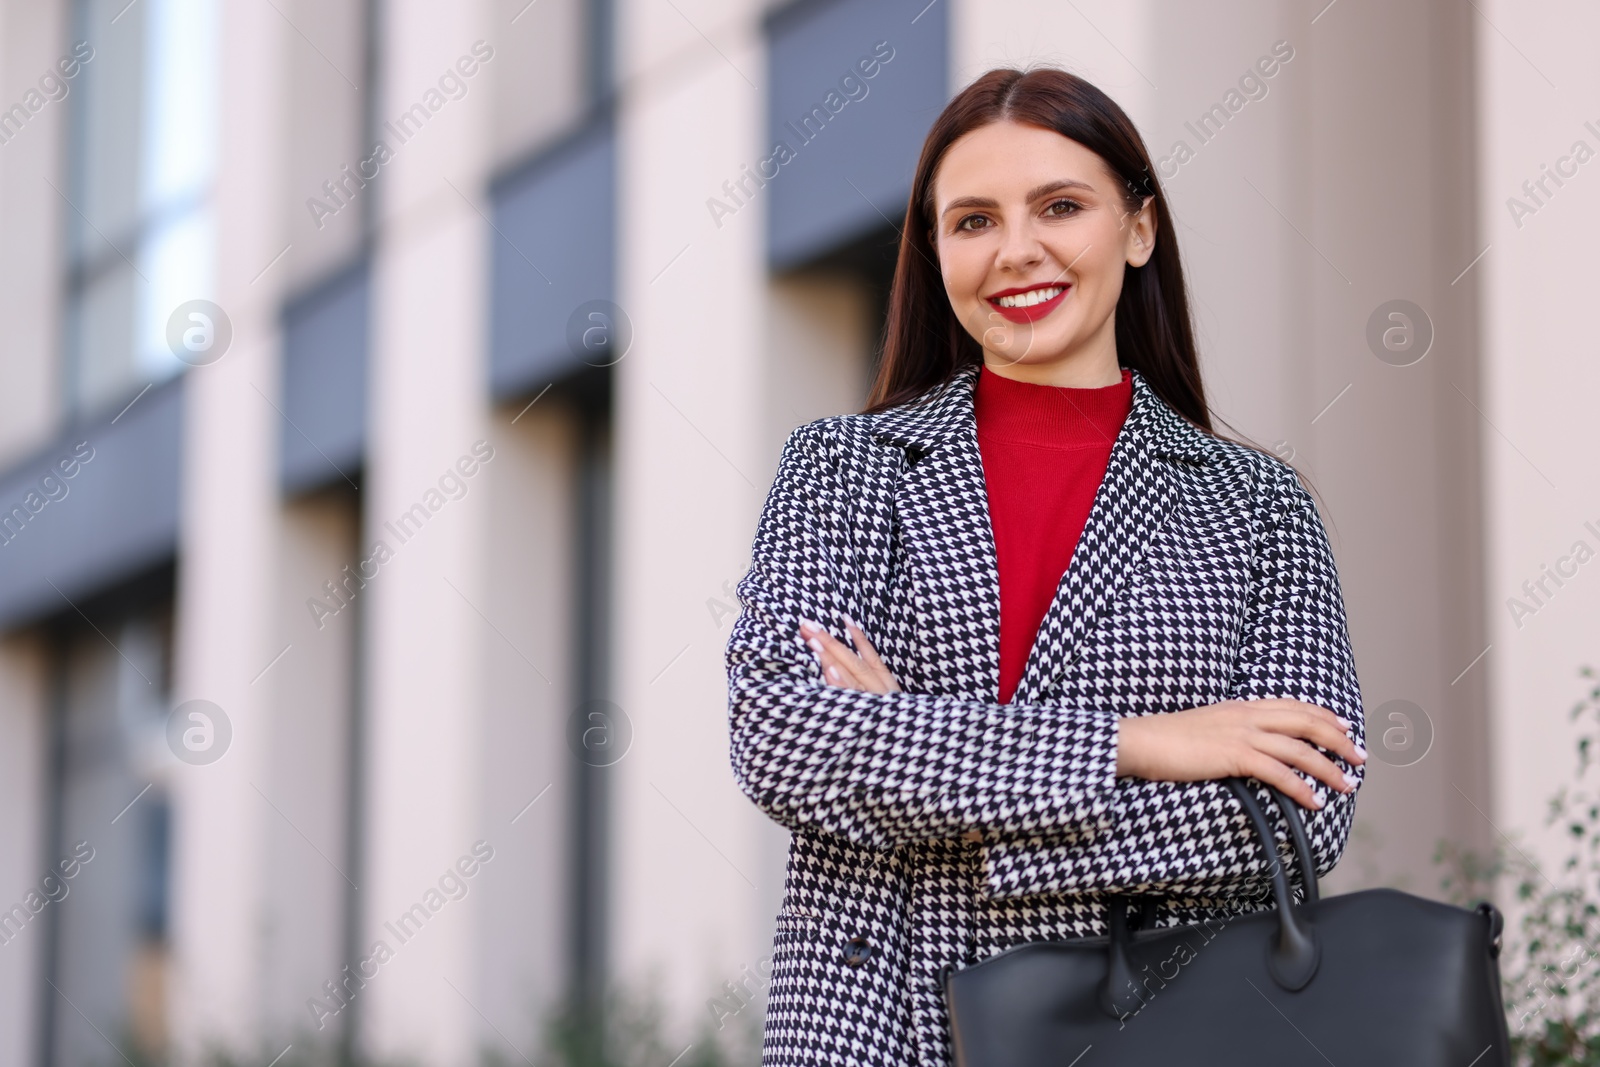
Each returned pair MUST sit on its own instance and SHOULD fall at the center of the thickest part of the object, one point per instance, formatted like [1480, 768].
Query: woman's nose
[1020, 249]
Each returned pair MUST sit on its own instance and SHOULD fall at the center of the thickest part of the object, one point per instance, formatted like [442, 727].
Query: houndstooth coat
[1203, 574]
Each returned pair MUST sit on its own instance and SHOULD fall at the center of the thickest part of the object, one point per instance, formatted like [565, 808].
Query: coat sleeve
[881, 769]
[1194, 838]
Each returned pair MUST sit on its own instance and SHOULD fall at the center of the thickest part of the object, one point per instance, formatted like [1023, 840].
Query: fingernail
[833, 672]
[1361, 752]
[1344, 723]
[851, 621]
[815, 645]
[807, 624]
[1349, 779]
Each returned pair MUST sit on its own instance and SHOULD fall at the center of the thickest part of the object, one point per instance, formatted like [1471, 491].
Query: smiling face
[1033, 234]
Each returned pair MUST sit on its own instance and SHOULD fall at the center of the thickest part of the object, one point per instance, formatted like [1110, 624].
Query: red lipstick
[1032, 312]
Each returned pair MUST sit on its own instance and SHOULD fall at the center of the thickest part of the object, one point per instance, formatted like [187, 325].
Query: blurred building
[390, 390]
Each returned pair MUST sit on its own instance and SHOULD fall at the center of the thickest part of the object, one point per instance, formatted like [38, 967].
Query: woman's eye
[1070, 206]
[962, 225]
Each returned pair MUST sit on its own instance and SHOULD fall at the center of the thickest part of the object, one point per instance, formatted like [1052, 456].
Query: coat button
[857, 950]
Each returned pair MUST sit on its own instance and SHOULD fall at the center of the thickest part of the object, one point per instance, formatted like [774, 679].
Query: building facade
[390, 389]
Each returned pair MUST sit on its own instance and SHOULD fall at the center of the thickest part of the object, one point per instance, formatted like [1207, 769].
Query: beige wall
[307, 767]
[327, 89]
[692, 451]
[528, 654]
[33, 35]
[540, 70]
[816, 351]
[227, 607]
[1536, 88]
[424, 668]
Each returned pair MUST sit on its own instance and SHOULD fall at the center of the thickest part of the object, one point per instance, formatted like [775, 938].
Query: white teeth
[1030, 298]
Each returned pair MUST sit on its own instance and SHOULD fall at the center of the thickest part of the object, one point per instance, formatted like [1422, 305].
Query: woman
[1006, 629]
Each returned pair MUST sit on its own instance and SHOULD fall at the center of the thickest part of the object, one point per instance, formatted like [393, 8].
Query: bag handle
[1295, 951]
[1297, 833]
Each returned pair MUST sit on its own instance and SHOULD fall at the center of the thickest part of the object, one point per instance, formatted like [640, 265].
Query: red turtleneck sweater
[1045, 450]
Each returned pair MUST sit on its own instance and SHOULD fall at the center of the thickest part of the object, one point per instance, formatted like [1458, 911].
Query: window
[140, 222]
[106, 928]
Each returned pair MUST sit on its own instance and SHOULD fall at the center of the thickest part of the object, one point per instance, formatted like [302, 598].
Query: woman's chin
[1032, 347]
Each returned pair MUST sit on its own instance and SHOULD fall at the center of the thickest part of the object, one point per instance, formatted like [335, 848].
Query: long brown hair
[925, 344]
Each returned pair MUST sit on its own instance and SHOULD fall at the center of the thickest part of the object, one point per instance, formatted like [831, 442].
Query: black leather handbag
[1376, 978]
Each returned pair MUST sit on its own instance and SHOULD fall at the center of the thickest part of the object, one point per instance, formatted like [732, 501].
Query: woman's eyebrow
[1033, 194]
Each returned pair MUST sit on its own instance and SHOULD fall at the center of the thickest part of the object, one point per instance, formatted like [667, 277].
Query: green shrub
[1549, 964]
[628, 1030]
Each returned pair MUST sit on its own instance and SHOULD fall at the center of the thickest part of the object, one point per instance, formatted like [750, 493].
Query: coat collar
[946, 410]
[941, 500]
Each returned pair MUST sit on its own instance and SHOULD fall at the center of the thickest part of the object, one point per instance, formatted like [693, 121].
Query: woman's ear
[1142, 234]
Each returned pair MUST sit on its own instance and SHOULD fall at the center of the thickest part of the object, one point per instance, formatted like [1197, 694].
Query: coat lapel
[942, 505]
[949, 593]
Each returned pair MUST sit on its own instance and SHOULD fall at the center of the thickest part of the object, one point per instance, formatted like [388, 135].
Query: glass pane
[142, 165]
[99, 338]
[181, 94]
[110, 917]
[177, 260]
[102, 180]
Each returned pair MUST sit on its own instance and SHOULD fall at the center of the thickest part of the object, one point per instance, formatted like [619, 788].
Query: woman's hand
[1262, 739]
[843, 667]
